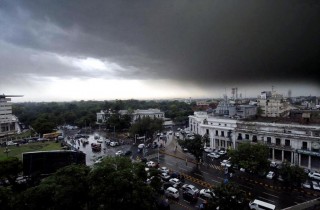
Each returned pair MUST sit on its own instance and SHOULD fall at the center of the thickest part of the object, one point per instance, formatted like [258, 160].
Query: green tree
[66, 189]
[117, 183]
[146, 126]
[227, 196]
[292, 175]
[252, 157]
[10, 168]
[194, 146]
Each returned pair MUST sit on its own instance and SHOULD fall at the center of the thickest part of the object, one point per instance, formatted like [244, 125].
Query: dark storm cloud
[204, 42]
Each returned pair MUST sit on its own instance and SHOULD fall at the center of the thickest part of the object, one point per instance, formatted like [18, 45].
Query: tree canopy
[194, 146]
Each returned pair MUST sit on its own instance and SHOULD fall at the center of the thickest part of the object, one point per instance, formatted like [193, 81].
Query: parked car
[270, 175]
[222, 152]
[273, 164]
[151, 164]
[176, 182]
[307, 185]
[141, 146]
[11, 143]
[213, 155]
[186, 187]
[314, 175]
[225, 163]
[208, 150]
[315, 185]
[190, 196]
[164, 169]
[119, 153]
[206, 193]
[172, 192]
[114, 143]
[165, 176]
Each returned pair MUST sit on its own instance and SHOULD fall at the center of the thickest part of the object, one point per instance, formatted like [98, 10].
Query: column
[292, 160]
[299, 159]
[309, 162]
[272, 153]
[282, 158]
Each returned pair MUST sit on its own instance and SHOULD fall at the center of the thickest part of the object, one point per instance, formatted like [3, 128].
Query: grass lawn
[31, 147]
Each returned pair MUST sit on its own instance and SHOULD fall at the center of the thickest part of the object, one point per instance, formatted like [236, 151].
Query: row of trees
[115, 183]
[44, 117]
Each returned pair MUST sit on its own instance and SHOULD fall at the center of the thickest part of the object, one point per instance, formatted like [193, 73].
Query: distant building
[103, 115]
[273, 104]
[229, 109]
[9, 123]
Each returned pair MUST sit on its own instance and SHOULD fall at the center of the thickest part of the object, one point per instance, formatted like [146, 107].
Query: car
[141, 146]
[306, 184]
[213, 155]
[208, 150]
[119, 153]
[280, 178]
[172, 192]
[164, 169]
[222, 152]
[206, 193]
[100, 141]
[128, 153]
[225, 163]
[165, 176]
[114, 143]
[185, 149]
[273, 164]
[190, 196]
[151, 164]
[170, 132]
[11, 143]
[176, 182]
[314, 175]
[186, 187]
[270, 175]
[315, 185]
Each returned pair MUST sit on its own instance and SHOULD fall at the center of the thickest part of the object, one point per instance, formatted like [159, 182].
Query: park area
[16, 151]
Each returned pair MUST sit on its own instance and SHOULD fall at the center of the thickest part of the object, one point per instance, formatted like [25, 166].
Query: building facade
[297, 144]
[8, 122]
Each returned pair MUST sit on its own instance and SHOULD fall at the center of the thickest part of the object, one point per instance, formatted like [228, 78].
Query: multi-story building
[295, 143]
[273, 104]
[8, 122]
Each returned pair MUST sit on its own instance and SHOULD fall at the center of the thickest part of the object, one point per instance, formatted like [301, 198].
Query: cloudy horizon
[104, 50]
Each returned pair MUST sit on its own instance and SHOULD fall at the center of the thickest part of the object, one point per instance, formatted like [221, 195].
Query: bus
[51, 136]
[261, 205]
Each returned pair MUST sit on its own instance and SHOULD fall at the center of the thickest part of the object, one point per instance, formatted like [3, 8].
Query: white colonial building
[297, 144]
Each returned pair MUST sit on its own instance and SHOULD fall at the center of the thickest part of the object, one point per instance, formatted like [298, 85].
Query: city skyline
[77, 50]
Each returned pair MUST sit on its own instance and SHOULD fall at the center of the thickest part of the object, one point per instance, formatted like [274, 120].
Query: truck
[52, 136]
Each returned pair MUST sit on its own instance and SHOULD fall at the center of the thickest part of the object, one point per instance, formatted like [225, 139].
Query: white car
[164, 169]
[273, 164]
[208, 150]
[206, 193]
[118, 153]
[141, 146]
[113, 144]
[176, 182]
[225, 163]
[314, 175]
[151, 164]
[165, 176]
[222, 152]
[270, 175]
[306, 185]
[315, 185]
[187, 187]
[213, 155]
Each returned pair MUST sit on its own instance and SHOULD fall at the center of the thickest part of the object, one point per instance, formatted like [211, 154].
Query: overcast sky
[98, 50]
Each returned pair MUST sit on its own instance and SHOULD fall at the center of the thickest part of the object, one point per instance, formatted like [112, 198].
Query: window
[254, 138]
[304, 145]
[207, 131]
[217, 133]
[278, 141]
[287, 142]
[222, 133]
[269, 140]
[247, 137]
[239, 136]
